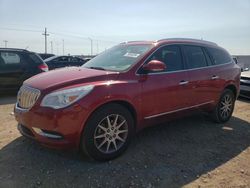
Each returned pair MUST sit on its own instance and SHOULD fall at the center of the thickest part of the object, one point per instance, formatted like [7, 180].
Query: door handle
[183, 82]
[214, 77]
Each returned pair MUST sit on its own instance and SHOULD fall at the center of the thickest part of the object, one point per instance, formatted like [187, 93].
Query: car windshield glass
[118, 58]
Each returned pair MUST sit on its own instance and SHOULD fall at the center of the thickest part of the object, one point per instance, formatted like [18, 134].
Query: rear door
[168, 91]
[12, 69]
[221, 70]
[198, 75]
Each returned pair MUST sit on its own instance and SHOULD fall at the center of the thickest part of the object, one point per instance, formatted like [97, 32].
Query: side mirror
[154, 66]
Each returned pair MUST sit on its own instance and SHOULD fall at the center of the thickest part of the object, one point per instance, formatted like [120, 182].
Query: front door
[168, 91]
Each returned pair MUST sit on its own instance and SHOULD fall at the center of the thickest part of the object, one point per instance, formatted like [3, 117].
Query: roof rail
[16, 49]
[189, 40]
[125, 42]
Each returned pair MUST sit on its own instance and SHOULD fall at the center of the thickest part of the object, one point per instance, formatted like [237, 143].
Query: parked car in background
[45, 56]
[243, 61]
[87, 59]
[97, 108]
[235, 59]
[63, 61]
[17, 65]
[245, 84]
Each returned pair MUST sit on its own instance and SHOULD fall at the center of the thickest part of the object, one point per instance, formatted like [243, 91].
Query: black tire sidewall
[87, 141]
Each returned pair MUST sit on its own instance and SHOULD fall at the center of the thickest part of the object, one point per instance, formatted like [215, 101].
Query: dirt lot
[191, 152]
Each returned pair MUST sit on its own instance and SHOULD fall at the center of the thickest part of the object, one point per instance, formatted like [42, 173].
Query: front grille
[27, 97]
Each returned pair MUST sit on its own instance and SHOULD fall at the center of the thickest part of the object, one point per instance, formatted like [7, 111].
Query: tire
[107, 133]
[224, 109]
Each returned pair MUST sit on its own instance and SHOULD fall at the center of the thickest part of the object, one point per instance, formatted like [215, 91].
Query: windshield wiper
[97, 68]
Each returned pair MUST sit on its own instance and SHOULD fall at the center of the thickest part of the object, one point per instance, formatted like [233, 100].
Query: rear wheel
[224, 109]
[108, 132]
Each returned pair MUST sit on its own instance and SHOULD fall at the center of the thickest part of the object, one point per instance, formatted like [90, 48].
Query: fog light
[48, 134]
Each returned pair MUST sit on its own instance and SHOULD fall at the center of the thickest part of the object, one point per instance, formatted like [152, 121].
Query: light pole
[5, 43]
[97, 47]
[51, 46]
[45, 35]
[91, 42]
[63, 46]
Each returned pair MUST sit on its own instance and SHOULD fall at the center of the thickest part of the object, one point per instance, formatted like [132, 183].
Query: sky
[75, 23]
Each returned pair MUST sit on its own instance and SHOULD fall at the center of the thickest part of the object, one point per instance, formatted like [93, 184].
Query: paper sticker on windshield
[134, 55]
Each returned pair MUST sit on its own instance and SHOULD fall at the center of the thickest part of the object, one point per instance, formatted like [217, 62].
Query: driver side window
[63, 59]
[171, 56]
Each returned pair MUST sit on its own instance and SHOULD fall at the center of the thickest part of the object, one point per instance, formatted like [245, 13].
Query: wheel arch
[233, 89]
[123, 103]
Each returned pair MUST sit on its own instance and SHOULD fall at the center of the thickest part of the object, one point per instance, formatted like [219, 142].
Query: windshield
[118, 58]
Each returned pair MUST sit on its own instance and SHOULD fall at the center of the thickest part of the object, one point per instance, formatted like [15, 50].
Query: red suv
[98, 107]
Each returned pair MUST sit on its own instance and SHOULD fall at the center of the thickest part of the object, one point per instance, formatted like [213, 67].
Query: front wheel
[107, 132]
[224, 109]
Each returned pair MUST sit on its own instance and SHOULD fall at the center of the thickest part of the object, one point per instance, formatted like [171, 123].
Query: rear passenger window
[219, 56]
[10, 58]
[171, 56]
[209, 61]
[195, 57]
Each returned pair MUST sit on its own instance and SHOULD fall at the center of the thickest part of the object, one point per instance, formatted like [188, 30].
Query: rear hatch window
[37, 59]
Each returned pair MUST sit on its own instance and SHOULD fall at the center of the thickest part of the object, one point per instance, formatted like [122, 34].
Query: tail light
[43, 67]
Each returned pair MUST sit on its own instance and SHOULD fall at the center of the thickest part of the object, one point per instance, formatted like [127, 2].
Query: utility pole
[45, 36]
[97, 47]
[91, 42]
[51, 46]
[57, 48]
[63, 46]
[5, 43]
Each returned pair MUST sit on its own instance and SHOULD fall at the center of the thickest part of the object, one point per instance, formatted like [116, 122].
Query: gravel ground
[189, 152]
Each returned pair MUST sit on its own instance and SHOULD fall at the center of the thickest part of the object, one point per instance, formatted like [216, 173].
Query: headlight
[63, 98]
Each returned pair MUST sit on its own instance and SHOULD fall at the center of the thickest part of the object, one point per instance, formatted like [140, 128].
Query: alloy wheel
[226, 106]
[111, 133]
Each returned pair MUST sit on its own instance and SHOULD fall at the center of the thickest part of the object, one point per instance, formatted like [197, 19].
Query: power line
[81, 37]
[45, 33]
[56, 33]
[14, 29]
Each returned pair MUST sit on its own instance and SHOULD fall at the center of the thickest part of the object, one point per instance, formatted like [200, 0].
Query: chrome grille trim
[27, 97]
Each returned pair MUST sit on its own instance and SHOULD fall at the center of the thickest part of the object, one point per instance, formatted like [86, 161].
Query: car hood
[68, 76]
[245, 74]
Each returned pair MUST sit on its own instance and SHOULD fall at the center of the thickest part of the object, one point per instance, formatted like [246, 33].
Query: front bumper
[245, 89]
[53, 128]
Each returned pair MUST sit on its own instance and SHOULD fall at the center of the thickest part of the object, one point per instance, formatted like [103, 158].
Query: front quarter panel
[112, 91]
